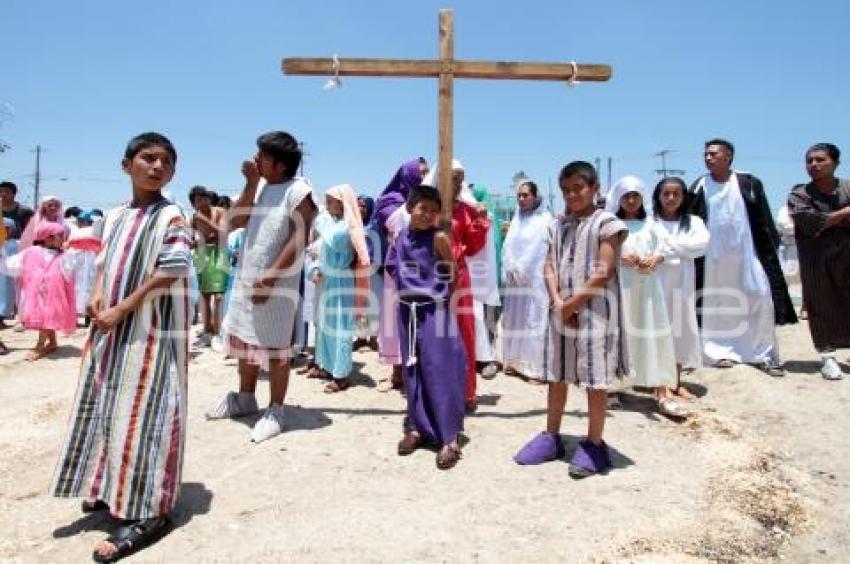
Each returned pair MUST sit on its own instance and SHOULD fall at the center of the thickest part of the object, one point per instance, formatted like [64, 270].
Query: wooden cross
[446, 68]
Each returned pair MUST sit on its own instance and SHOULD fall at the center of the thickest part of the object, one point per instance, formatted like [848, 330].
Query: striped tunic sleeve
[175, 255]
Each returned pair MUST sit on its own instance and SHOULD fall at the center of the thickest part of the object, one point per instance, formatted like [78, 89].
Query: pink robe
[47, 290]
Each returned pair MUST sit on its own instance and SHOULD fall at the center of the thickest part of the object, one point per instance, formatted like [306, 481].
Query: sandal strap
[135, 535]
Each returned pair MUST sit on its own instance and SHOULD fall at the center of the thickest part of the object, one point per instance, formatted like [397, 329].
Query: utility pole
[303, 158]
[610, 166]
[6, 113]
[664, 171]
[37, 182]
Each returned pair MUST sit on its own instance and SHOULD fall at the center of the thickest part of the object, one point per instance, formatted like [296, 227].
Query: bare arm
[240, 211]
[838, 217]
[443, 246]
[213, 223]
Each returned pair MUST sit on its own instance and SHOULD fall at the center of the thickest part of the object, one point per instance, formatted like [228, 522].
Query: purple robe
[436, 382]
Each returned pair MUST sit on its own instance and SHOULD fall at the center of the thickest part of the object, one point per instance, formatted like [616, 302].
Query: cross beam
[446, 68]
[412, 68]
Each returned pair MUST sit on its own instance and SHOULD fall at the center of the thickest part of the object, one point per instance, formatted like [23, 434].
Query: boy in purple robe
[422, 266]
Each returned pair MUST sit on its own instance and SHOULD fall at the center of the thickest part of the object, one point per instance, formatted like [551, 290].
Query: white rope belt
[413, 329]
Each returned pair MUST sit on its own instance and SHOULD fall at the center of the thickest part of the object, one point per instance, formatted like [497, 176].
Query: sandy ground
[760, 473]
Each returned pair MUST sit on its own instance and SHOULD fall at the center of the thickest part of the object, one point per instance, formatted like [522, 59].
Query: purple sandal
[545, 447]
[589, 459]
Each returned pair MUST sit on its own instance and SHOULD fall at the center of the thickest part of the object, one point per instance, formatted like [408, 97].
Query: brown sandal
[447, 457]
[316, 373]
[408, 444]
[339, 385]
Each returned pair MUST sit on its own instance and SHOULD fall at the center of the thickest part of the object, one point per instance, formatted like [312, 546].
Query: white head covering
[624, 186]
[432, 176]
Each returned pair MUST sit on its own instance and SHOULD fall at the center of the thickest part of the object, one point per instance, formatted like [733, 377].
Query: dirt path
[761, 471]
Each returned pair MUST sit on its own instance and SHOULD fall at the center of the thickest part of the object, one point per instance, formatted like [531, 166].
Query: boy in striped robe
[123, 451]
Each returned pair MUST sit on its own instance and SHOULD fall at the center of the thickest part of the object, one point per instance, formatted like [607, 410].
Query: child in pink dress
[47, 286]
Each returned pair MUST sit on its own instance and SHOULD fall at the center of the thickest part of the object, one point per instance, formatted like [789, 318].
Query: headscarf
[624, 186]
[394, 197]
[369, 203]
[482, 196]
[371, 230]
[87, 216]
[525, 245]
[395, 194]
[48, 229]
[28, 237]
[351, 214]
[433, 175]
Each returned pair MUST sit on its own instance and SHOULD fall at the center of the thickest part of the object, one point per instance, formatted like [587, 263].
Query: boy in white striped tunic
[260, 320]
[585, 343]
[123, 451]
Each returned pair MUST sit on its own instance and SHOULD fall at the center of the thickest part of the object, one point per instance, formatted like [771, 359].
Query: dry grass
[753, 510]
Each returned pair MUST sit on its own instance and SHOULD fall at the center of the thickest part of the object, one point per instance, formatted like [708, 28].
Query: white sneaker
[830, 370]
[489, 372]
[216, 344]
[233, 405]
[270, 424]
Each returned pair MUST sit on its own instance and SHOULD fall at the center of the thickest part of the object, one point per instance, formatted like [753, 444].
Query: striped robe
[594, 355]
[824, 262]
[127, 429]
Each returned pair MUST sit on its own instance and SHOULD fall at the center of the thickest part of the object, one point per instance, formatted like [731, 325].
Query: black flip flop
[133, 537]
[98, 505]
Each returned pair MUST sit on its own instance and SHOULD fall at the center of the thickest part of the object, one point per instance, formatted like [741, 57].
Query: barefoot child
[652, 359]
[47, 286]
[210, 262]
[261, 317]
[123, 451]
[422, 266]
[586, 344]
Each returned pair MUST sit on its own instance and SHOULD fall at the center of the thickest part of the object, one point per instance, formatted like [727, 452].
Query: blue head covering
[370, 207]
[86, 215]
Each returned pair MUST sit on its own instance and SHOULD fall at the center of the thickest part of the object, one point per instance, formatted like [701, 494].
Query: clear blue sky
[83, 77]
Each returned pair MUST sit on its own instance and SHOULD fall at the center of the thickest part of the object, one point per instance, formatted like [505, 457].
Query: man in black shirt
[13, 210]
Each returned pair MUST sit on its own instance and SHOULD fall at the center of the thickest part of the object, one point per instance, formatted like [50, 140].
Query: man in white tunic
[261, 318]
[744, 293]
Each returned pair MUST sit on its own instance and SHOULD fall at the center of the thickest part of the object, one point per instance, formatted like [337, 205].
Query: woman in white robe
[684, 237]
[526, 301]
[649, 337]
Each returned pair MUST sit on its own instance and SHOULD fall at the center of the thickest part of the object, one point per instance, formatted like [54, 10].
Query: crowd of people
[635, 287]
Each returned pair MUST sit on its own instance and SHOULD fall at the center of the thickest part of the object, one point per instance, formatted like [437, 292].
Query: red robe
[469, 235]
